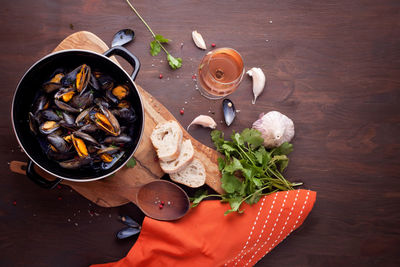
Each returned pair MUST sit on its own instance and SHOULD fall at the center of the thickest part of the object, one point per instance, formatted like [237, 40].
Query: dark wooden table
[332, 66]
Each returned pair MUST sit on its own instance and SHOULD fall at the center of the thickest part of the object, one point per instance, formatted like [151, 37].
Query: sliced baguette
[185, 157]
[167, 140]
[194, 175]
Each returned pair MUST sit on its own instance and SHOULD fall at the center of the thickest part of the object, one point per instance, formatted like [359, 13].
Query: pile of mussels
[83, 119]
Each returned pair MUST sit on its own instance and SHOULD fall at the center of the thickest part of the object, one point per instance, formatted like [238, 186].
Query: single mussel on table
[81, 118]
[229, 111]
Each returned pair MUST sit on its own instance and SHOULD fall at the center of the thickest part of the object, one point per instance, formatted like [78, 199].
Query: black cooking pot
[32, 81]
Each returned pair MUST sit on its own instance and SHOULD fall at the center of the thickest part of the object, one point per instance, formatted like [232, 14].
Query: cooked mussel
[65, 94]
[49, 115]
[83, 116]
[127, 232]
[58, 143]
[68, 118]
[122, 139]
[49, 127]
[41, 103]
[82, 101]
[75, 163]
[229, 111]
[32, 123]
[54, 83]
[80, 147]
[86, 137]
[65, 106]
[78, 78]
[120, 92]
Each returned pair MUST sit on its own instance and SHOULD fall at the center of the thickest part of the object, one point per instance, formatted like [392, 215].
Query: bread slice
[167, 140]
[194, 175]
[185, 157]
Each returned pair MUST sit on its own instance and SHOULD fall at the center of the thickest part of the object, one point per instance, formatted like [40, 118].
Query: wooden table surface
[331, 66]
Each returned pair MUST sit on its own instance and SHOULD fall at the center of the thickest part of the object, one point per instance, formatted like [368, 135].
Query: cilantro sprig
[156, 44]
[249, 170]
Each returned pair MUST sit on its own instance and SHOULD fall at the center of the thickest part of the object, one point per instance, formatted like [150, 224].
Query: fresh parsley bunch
[249, 171]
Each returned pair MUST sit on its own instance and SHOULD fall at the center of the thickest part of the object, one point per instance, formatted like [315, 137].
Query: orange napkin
[205, 237]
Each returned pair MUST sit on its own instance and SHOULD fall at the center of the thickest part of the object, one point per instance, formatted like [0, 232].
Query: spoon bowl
[123, 37]
[162, 200]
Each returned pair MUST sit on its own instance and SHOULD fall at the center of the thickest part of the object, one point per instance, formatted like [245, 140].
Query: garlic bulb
[205, 121]
[198, 40]
[258, 82]
[275, 128]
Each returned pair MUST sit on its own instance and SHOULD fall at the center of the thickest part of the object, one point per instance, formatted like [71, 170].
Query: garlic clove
[275, 128]
[203, 120]
[258, 82]
[198, 40]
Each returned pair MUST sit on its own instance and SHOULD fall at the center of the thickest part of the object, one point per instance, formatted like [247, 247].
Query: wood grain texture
[331, 66]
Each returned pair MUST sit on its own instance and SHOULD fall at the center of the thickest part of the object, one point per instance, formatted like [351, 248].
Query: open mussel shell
[65, 106]
[54, 84]
[86, 137]
[32, 123]
[121, 139]
[229, 111]
[127, 232]
[75, 163]
[129, 221]
[50, 115]
[58, 143]
[49, 127]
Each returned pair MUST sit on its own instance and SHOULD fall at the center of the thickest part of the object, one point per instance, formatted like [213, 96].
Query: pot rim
[96, 54]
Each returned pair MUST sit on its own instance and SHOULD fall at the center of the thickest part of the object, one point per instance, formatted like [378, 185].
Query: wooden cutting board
[110, 192]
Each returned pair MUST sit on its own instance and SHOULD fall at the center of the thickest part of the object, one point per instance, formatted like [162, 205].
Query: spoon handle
[135, 178]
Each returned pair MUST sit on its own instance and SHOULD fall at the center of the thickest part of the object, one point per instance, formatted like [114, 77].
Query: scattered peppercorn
[14, 203]
[181, 111]
[59, 198]
[161, 76]
[194, 77]
[160, 206]
[59, 186]
[162, 203]
[213, 45]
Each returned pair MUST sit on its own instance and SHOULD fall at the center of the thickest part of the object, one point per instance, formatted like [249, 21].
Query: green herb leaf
[230, 183]
[235, 205]
[161, 39]
[156, 44]
[283, 149]
[59, 113]
[235, 165]
[198, 197]
[155, 48]
[175, 63]
[221, 164]
[131, 163]
[252, 137]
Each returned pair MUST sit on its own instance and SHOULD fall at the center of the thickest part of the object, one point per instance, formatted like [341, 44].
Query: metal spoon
[123, 37]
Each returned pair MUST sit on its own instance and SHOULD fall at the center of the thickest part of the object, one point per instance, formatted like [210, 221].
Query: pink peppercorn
[181, 111]
[213, 45]
[160, 206]
[161, 76]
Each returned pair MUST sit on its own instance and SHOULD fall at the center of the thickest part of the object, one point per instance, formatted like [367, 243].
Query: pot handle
[39, 180]
[128, 56]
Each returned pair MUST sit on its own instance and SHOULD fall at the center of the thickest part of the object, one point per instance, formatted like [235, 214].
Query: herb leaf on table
[156, 44]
